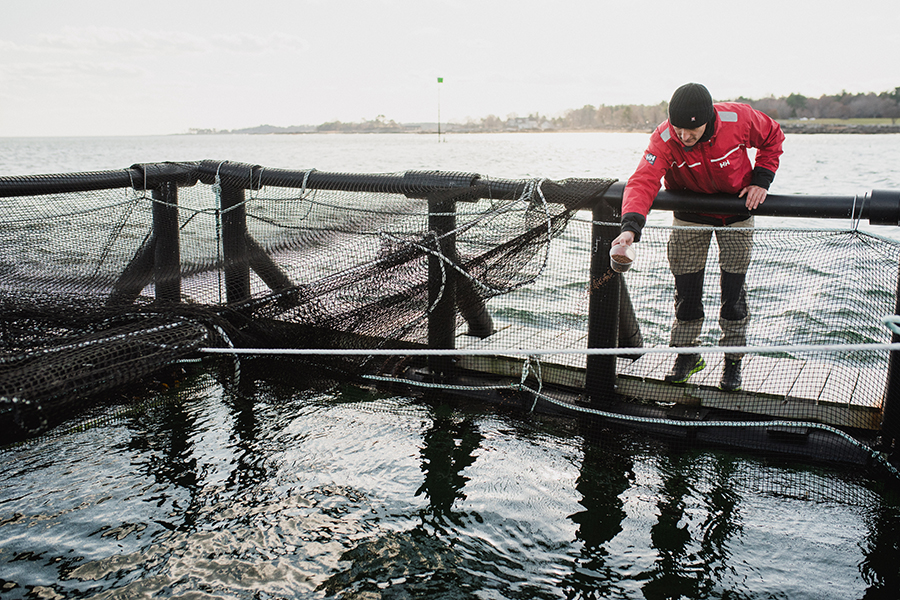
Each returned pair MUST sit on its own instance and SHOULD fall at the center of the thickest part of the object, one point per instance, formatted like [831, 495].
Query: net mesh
[435, 281]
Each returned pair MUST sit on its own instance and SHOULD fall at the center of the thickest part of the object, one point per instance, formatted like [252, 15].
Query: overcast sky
[118, 67]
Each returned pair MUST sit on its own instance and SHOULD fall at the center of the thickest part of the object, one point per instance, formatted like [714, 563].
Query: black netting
[100, 287]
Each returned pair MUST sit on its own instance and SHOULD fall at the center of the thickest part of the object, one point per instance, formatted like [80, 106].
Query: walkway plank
[647, 365]
[840, 386]
[774, 387]
[810, 381]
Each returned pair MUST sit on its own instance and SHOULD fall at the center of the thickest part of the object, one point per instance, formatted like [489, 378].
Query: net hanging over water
[455, 283]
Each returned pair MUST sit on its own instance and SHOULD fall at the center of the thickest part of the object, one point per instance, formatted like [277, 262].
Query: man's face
[689, 137]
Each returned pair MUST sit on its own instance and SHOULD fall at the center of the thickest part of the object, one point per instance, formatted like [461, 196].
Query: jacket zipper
[706, 165]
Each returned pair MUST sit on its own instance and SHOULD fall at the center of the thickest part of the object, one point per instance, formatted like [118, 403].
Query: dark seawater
[275, 492]
[280, 486]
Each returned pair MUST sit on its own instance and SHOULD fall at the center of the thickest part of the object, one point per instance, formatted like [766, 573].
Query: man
[702, 147]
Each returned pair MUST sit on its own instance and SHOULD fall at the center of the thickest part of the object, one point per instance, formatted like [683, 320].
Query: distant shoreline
[812, 127]
[792, 126]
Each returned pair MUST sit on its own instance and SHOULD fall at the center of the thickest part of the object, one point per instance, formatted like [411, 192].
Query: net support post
[167, 251]
[630, 335]
[158, 260]
[890, 413]
[441, 282]
[473, 308]
[137, 275]
[604, 289]
[241, 252]
[267, 269]
[234, 245]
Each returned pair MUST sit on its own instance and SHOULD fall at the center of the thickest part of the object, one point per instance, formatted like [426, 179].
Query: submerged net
[449, 282]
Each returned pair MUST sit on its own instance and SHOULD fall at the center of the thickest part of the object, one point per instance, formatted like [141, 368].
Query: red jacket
[719, 164]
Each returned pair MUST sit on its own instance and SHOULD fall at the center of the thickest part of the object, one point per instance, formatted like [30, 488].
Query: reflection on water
[422, 561]
[881, 550]
[606, 472]
[449, 446]
[687, 566]
[267, 491]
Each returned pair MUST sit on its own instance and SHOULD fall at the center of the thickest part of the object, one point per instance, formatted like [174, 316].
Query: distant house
[526, 124]
[520, 123]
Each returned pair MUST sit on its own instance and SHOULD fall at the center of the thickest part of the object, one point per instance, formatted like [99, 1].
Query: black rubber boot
[685, 366]
[734, 296]
[689, 296]
[731, 376]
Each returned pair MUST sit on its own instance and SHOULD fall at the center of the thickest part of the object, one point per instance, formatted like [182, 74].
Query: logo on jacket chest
[724, 163]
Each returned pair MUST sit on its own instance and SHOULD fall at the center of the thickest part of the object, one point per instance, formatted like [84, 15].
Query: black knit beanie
[691, 106]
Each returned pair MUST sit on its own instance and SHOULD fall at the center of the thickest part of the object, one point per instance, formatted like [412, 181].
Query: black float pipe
[879, 207]
[414, 184]
[139, 177]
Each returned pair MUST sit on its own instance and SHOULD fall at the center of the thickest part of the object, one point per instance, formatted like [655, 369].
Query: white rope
[305, 182]
[527, 368]
[237, 361]
[217, 188]
[96, 342]
[855, 217]
[892, 322]
[308, 201]
[74, 213]
[551, 351]
[444, 261]
[528, 192]
[538, 184]
[532, 354]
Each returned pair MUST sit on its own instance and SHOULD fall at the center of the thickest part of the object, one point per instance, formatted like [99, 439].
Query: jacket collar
[710, 128]
[708, 134]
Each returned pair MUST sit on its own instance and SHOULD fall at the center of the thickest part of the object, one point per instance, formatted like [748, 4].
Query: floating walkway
[805, 390]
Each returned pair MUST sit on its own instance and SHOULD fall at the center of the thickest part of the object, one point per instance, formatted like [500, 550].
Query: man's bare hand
[755, 196]
[625, 238]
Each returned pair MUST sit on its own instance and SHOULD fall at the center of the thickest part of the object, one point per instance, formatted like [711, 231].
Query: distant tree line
[626, 117]
[379, 125]
[837, 106]
[640, 117]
